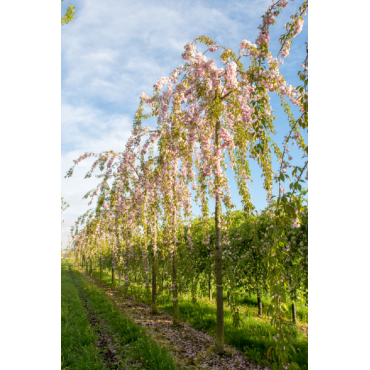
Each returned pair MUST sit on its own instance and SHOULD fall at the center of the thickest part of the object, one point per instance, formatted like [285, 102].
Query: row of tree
[245, 247]
[208, 118]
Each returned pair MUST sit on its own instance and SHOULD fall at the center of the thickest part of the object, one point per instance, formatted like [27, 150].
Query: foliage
[70, 13]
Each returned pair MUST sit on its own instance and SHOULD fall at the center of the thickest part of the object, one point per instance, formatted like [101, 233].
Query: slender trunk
[175, 295]
[228, 297]
[179, 282]
[219, 345]
[127, 286]
[259, 303]
[294, 314]
[100, 269]
[112, 277]
[194, 290]
[175, 304]
[154, 268]
[91, 268]
[210, 286]
[147, 286]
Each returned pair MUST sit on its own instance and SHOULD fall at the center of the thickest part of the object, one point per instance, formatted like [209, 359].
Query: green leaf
[294, 365]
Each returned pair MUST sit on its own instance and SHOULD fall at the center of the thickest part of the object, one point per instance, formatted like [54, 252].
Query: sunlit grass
[251, 301]
[78, 339]
[254, 336]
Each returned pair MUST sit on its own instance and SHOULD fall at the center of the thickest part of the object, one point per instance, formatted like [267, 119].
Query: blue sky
[114, 50]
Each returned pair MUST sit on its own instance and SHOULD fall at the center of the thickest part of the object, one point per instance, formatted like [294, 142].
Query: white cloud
[113, 50]
[86, 129]
[90, 129]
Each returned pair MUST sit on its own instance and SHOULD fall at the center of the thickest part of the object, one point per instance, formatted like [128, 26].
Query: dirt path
[190, 348]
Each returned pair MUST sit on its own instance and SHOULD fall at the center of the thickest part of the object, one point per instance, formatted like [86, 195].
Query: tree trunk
[175, 302]
[175, 294]
[259, 303]
[112, 277]
[228, 297]
[91, 268]
[210, 286]
[219, 345]
[147, 286]
[179, 283]
[194, 290]
[154, 268]
[294, 314]
[100, 269]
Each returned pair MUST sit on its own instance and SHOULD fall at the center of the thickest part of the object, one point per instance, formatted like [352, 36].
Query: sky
[113, 51]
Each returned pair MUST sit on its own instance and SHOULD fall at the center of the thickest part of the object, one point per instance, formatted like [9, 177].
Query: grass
[301, 309]
[131, 338]
[253, 336]
[78, 338]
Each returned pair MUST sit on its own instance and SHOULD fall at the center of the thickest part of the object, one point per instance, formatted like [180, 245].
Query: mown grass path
[78, 341]
[190, 348]
[113, 340]
[105, 343]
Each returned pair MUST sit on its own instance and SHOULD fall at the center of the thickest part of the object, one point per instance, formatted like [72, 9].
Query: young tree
[214, 111]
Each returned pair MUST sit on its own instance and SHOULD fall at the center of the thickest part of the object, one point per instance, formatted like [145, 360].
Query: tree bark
[100, 269]
[259, 303]
[112, 277]
[219, 345]
[294, 314]
[175, 302]
[154, 269]
[194, 290]
[210, 286]
[175, 294]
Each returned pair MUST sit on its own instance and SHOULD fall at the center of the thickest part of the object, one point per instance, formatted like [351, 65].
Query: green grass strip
[142, 347]
[78, 339]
